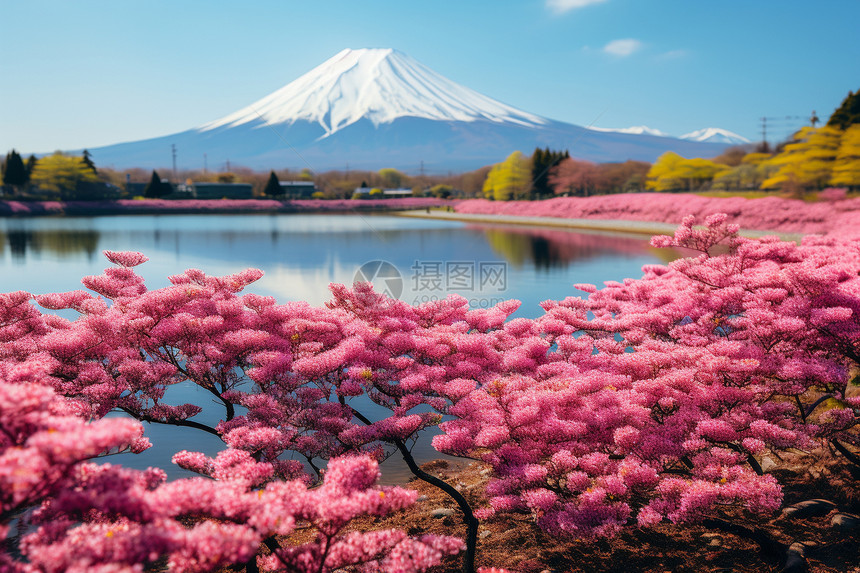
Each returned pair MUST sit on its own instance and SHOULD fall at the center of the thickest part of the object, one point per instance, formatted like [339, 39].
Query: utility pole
[173, 152]
[205, 164]
[781, 123]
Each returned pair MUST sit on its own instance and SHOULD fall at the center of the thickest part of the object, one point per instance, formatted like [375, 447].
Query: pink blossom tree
[80, 516]
[297, 374]
[659, 394]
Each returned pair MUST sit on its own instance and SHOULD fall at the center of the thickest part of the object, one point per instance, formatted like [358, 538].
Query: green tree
[31, 164]
[273, 186]
[156, 188]
[14, 171]
[543, 160]
[510, 179]
[846, 167]
[62, 174]
[848, 113]
[87, 158]
[441, 191]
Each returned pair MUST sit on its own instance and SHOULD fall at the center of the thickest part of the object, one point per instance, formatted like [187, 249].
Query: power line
[764, 121]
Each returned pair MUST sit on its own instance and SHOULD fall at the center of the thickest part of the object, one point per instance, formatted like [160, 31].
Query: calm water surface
[414, 259]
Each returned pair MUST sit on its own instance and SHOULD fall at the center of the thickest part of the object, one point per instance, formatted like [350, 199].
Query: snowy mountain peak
[715, 135]
[377, 84]
[636, 130]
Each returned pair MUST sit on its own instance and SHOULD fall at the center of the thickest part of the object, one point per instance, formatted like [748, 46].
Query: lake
[414, 259]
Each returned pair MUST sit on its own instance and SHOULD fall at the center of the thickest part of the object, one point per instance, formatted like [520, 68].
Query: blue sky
[91, 72]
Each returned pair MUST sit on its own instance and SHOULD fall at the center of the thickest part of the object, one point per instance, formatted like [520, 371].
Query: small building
[298, 189]
[364, 192]
[396, 193]
[206, 190]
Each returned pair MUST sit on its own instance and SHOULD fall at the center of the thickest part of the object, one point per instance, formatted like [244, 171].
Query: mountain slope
[376, 108]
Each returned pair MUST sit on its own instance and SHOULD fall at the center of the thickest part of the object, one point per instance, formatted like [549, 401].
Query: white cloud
[622, 48]
[562, 6]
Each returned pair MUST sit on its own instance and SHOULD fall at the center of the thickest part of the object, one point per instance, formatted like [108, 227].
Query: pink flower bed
[834, 216]
[34, 208]
[349, 204]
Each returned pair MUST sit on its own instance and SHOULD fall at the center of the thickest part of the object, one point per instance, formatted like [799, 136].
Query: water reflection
[552, 248]
[301, 254]
[543, 248]
[58, 242]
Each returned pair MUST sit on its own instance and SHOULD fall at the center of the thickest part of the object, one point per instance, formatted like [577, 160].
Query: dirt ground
[515, 543]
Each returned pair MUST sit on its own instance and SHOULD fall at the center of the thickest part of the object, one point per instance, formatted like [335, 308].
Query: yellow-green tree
[846, 167]
[392, 178]
[660, 176]
[510, 179]
[807, 162]
[697, 172]
[756, 158]
[743, 176]
[750, 174]
[61, 174]
[671, 172]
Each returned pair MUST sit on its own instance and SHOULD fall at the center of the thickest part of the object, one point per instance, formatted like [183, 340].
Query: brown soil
[515, 543]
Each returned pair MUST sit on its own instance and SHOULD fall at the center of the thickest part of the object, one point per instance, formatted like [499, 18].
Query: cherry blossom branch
[468, 515]
[849, 455]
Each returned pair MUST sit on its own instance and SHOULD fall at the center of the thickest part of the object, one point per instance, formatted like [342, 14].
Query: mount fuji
[374, 108]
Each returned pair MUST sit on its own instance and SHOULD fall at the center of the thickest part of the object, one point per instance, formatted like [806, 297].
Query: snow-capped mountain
[381, 85]
[636, 129]
[374, 108]
[715, 135]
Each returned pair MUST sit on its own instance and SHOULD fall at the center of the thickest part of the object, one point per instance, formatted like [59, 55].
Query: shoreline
[22, 209]
[614, 226]
[423, 209]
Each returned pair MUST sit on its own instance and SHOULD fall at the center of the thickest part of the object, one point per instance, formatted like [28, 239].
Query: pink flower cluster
[128, 206]
[91, 517]
[833, 215]
[655, 398]
[80, 516]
